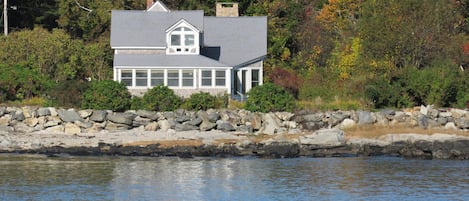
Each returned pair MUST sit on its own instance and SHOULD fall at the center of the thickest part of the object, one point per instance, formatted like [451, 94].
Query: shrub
[136, 103]
[201, 101]
[269, 98]
[68, 93]
[161, 98]
[107, 94]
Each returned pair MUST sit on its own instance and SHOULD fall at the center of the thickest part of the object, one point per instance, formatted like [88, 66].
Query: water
[24, 177]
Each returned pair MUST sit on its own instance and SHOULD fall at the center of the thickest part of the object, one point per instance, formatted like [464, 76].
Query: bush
[201, 101]
[68, 93]
[269, 98]
[107, 94]
[161, 98]
[136, 103]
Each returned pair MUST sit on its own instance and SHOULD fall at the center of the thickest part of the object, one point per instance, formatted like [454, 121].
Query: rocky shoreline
[224, 133]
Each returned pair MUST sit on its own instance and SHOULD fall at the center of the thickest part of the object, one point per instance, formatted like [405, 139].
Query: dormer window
[183, 39]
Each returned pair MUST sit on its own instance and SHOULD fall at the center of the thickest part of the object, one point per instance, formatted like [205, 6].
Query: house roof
[161, 60]
[240, 39]
[147, 29]
[232, 41]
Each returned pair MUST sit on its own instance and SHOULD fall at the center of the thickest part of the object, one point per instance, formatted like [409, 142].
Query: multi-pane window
[126, 77]
[207, 78]
[188, 78]
[183, 41]
[141, 78]
[173, 78]
[220, 78]
[255, 78]
[157, 77]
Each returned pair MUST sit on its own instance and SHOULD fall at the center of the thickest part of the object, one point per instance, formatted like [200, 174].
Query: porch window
[126, 77]
[207, 78]
[188, 78]
[141, 78]
[173, 78]
[255, 78]
[220, 78]
[157, 77]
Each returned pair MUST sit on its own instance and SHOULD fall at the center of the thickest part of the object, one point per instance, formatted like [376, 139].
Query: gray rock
[182, 118]
[55, 129]
[225, 126]
[23, 128]
[213, 116]
[324, 138]
[245, 129]
[347, 123]
[255, 120]
[122, 118]
[140, 121]
[169, 115]
[207, 125]
[111, 126]
[423, 121]
[365, 118]
[195, 122]
[462, 123]
[53, 112]
[98, 116]
[43, 112]
[318, 117]
[83, 124]
[442, 120]
[271, 124]
[185, 127]
[18, 115]
[148, 114]
[52, 121]
[69, 116]
[2, 110]
[31, 122]
[230, 116]
[29, 112]
[284, 116]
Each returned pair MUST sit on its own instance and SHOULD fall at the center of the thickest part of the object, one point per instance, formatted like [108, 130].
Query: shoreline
[188, 144]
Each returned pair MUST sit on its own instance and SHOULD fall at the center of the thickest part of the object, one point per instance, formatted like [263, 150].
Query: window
[207, 78]
[141, 78]
[183, 40]
[126, 77]
[157, 77]
[255, 78]
[188, 78]
[220, 78]
[173, 78]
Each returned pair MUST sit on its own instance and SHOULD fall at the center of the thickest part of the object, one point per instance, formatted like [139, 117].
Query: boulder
[83, 124]
[98, 116]
[182, 118]
[164, 125]
[19, 116]
[153, 126]
[140, 121]
[5, 120]
[255, 120]
[31, 122]
[2, 110]
[23, 128]
[43, 112]
[85, 113]
[207, 125]
[195, 122]
[347, 123]
[148, 114]
[284, 116]
[271, 124]
[231, 117]
[318, 117]
[365, 118]
[69, 116]
[6, 129]
[324, 138]
[225, 126]
[185, 127]
[122, 118]
[462, 122]
[71, 128]
[29, 112]
[53, 112]
[55, 129]
[111, 126]
[52, 121]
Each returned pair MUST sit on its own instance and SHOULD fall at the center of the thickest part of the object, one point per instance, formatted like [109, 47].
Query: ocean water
[33, 177]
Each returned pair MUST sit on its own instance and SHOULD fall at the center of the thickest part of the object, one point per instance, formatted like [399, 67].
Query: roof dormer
[182, 38]
[157, 6]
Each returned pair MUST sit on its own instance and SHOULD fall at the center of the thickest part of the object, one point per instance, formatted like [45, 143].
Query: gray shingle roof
[227, 41]
[161, 60]
[148, 29]
[240, 39]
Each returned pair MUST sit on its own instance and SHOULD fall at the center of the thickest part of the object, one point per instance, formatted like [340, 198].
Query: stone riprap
[228, 133]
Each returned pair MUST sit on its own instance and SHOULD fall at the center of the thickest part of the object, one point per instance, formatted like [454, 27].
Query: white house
[187, 51]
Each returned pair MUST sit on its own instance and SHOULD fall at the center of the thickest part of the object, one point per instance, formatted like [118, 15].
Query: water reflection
[144, 178]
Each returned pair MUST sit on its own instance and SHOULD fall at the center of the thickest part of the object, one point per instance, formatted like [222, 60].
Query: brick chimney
[225, 9]
[149, 3]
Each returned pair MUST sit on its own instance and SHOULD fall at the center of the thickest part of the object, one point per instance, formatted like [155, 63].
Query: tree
[107, 95]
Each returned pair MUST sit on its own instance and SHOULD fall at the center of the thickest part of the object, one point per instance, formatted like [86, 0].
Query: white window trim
[171, 30]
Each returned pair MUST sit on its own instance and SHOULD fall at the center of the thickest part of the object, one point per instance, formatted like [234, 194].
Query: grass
[336, 104]
[377, 131]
